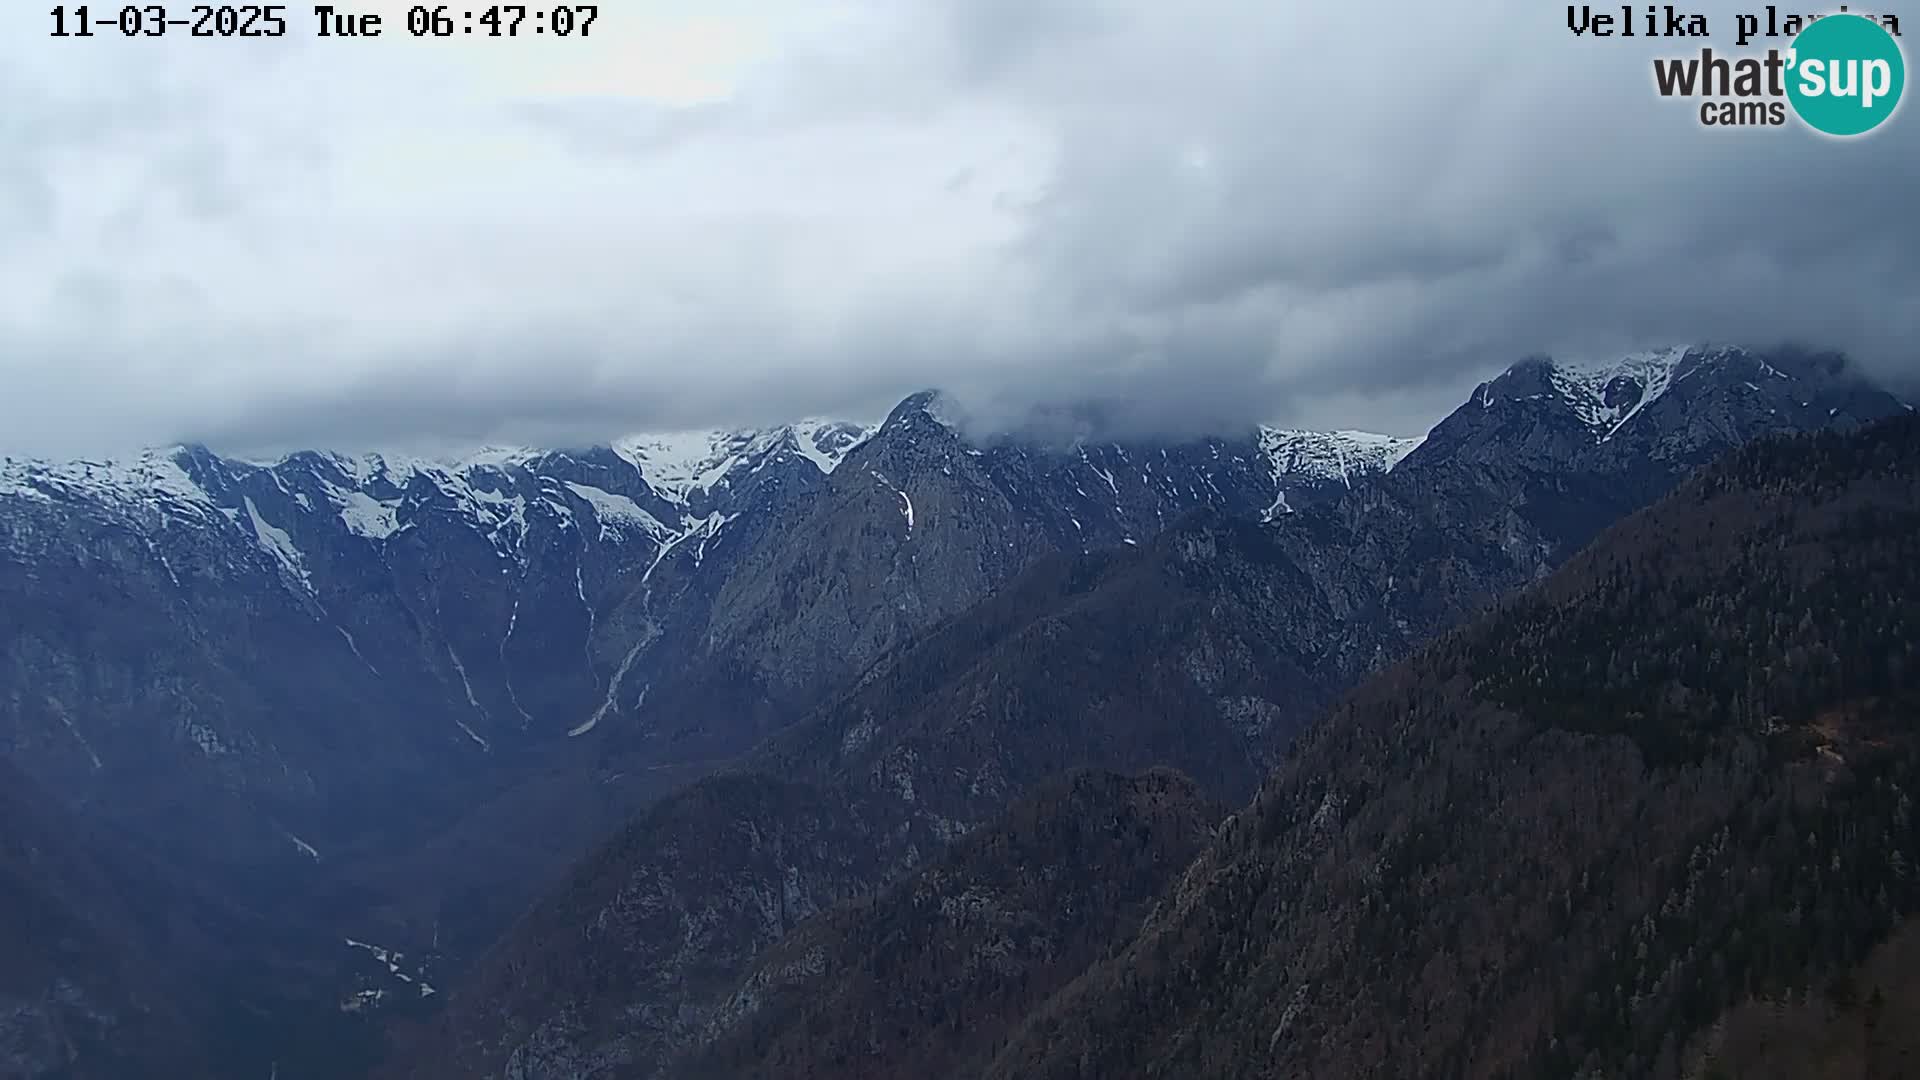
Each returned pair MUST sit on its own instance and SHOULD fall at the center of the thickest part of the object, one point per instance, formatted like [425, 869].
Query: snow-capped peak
[368, 489]
[154, 479]
[678, 464]
[936, 405]
[1332, 456]
[497, 457]
[827, 443]
[1607, 395]
[1310, 459]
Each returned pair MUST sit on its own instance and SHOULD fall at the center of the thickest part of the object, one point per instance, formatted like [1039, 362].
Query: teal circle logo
[1845, 75]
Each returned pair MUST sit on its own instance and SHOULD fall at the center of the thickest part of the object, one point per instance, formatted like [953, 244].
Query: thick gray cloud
[716, 213]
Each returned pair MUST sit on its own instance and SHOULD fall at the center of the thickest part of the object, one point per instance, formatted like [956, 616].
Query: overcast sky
[722, 212]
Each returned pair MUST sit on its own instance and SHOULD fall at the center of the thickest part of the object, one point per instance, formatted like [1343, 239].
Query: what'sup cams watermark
[1842, 74]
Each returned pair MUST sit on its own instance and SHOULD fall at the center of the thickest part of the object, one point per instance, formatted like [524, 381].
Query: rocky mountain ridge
[529, 595]
[392, 697]
[1240, 630]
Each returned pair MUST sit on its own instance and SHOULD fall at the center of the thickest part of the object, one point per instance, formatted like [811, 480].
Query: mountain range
[392, 700]
[1686, 852]
[1206, 649]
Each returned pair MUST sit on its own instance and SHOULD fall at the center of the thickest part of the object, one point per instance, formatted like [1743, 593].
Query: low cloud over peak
[1192, 217]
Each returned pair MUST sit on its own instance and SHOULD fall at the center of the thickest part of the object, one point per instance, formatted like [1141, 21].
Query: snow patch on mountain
[1103, 474]
[1605, 396]
[1322, 458]
[616, 513]
[153, 481]
[355, 646]
[411, 975]
[678, 465]
[466, 684]
[1332, 456]
[301, 846]
[906, 504]
[371, 492]
[279, 544]
[366, 470]
[613, 694]
[827, 443]
[364, 515]
[503, 514]
[495, 457]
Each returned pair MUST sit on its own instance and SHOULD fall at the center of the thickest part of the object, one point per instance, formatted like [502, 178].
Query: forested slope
[1674, 778]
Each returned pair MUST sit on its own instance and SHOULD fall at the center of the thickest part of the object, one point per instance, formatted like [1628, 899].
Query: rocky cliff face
[1087, 660]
